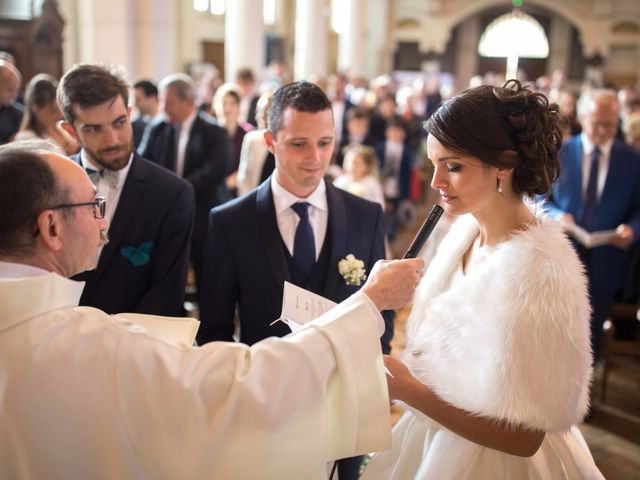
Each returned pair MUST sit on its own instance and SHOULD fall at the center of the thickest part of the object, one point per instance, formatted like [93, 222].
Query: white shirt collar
[10, 270]
[588, 146]
[188, 122]
[283, 198]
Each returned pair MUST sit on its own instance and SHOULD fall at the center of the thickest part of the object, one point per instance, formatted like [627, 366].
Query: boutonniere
[352, 270]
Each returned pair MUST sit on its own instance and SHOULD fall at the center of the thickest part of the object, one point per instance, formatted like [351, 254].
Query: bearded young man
[143, 269]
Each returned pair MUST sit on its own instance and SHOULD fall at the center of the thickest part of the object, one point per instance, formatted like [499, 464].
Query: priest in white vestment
[86, 395]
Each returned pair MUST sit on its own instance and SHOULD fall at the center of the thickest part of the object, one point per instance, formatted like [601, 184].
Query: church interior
[417, 53]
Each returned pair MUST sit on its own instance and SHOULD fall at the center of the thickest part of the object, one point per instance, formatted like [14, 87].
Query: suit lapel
[575, 177]
[338, 231]
[194, 137]
[130, 196]
[270, 233]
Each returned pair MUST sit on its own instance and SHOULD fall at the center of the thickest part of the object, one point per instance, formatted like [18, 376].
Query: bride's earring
[499, 185]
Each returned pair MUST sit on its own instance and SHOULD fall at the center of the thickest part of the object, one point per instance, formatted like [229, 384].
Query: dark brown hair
[88, 85]
[29, 186]
[506, 127]
[301, 96]
[40, 92]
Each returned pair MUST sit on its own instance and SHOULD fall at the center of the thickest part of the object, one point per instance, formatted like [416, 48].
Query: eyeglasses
[99, 207]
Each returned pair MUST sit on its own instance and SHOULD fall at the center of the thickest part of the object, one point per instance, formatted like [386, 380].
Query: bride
[498, 353]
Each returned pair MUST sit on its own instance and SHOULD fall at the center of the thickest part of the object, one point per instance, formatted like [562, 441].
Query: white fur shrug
[510, 340]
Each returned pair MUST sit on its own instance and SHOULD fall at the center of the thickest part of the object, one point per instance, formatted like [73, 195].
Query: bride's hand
[400, 383]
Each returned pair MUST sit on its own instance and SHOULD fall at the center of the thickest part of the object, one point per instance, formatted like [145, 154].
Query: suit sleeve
[169, 277]
[219, 294]
[144, 149]
[214, 167]
[378, 253]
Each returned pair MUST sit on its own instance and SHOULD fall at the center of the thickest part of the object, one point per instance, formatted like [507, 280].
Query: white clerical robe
[85, 395]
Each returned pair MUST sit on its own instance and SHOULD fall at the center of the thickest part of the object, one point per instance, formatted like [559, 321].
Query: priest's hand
[391, 283]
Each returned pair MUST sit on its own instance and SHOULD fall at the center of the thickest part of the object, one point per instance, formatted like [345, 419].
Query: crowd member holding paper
[87, 395]
[598, 200]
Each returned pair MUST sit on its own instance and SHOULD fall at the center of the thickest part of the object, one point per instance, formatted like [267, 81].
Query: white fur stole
[510, 340]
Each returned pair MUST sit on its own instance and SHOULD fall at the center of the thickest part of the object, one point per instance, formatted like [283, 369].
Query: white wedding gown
[510, 341]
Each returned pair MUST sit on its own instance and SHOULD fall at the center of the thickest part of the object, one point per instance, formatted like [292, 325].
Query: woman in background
[226, 107]
[41, 114]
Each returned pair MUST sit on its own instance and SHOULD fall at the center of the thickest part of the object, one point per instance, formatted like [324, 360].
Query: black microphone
[424, 232]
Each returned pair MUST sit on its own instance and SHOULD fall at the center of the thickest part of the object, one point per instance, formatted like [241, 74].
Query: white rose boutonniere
[352, 270]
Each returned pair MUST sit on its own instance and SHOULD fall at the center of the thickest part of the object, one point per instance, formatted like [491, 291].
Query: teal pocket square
[138, 256]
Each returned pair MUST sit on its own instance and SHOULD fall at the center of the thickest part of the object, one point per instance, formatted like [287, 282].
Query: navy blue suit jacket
[154, 206]
[245, 263]
[406, 162]
[618, 204]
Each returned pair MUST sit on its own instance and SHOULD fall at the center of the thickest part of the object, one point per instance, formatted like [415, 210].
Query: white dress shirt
[105, 189]
[185, 133]
[288, 219]
[603, 163]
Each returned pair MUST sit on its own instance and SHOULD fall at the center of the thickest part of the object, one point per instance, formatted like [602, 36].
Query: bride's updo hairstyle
[505, 127]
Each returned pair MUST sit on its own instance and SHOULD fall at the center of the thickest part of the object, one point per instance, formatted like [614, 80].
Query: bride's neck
[502, 220]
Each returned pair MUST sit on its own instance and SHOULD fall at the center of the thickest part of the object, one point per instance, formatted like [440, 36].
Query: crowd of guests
[215, 144]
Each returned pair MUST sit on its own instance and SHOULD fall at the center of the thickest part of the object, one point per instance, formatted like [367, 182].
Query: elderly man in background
[86, 395]
[190, 144]
[600, 190]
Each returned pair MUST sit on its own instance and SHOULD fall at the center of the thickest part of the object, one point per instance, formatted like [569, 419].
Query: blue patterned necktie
[304, 249]
[590, 212]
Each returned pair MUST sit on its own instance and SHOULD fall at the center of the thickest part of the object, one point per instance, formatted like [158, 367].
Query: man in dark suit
[145, 99]
[294, 227]
[189, 143]
[144, 266]
[11, 111]
[600, 190]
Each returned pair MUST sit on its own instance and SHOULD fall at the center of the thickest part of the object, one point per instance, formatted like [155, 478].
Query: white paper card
[300, 306]
[589, 239]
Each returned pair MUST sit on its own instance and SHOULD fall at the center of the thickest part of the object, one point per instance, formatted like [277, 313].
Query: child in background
[360, 175]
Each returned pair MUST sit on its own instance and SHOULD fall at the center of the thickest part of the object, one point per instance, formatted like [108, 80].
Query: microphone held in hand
[424, 232]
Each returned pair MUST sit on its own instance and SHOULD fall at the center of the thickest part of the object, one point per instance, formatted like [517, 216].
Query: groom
[295, 226]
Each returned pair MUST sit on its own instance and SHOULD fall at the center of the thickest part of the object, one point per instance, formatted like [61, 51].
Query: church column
[106, 33]
[559, 45]
[310, 55]
[351, 54]
[244, 40]
[156, 39]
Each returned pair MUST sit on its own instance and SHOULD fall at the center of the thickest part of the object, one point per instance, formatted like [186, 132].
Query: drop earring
[499, 185]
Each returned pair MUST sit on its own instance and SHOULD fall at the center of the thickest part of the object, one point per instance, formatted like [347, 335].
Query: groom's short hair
[301, 96]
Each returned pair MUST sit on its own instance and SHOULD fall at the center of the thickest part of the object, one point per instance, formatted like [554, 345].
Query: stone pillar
[466, 54]
[310, 54]
[156, 38]
[351, 43]
[244, 43]
[559, 45]
[379, 47]
[107, 33]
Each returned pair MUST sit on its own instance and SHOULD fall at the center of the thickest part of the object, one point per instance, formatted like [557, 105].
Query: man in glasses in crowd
[144, 267]
[86, 395]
